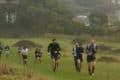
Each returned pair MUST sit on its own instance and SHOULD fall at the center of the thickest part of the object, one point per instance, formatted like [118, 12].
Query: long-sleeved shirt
[54, 47]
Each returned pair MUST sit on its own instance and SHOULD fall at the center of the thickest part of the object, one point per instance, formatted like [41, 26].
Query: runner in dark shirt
[1, 49]
[7, 50]
[79, 51]
[54, 49]
[38, 55]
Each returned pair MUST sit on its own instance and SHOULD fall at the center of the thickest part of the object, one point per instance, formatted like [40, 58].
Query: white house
[8, 11]
[82, 19]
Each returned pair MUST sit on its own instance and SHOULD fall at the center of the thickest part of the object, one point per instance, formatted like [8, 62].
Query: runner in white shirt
[24, 53]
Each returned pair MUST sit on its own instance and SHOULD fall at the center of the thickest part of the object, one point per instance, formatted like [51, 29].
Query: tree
[42, 16]
[98, 19]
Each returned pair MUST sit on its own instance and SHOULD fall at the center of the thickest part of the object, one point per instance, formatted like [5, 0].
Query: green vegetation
[38, 21]
[38, 17]
[98, 18]
[35, 71]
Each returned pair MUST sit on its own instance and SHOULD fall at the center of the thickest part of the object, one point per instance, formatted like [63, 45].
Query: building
[8, 11]
[116, 1]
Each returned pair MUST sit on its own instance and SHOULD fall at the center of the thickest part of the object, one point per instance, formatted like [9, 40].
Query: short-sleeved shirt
[7, 48]
[24, 51]
[79, 50]
[38, 53]
[91, 48]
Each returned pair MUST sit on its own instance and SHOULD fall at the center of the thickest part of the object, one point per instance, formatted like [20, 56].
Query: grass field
[66, 71]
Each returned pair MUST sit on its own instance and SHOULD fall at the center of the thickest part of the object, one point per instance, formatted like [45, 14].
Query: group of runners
[78, 53]
[55, 54]
[23, 51]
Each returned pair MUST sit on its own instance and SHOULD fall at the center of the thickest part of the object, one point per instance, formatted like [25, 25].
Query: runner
[75, 55]
[1, 49]
[19, 51]
[54, 49]
[79, 51]
[25, 54]
[38, 55]
[91, 56]
[7, 50]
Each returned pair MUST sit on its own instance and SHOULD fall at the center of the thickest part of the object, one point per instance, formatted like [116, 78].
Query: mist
[85, 6]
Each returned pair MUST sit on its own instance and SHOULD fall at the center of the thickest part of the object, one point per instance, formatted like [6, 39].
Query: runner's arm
[73, 51]
[86, 50]
[59, 48]
[49, 48]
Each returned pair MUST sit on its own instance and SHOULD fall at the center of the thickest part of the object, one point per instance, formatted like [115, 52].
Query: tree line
[38, 17]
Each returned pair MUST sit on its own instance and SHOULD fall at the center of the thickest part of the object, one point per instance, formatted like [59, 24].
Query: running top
[24, 51]
[54, 47]
[38, 53]
[7, 48]
[79, 50]
[91, 49]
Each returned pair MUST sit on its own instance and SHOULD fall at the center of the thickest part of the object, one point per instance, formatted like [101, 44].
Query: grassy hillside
[104, 70]
[10, 71]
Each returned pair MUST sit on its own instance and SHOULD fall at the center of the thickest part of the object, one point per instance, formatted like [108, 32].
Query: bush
[26, 43]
